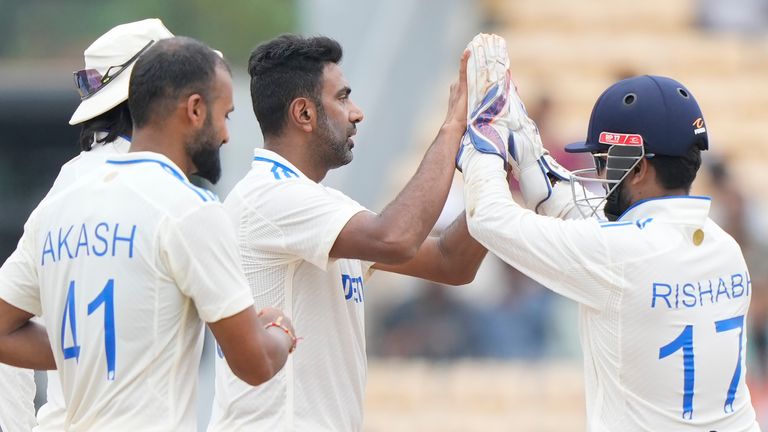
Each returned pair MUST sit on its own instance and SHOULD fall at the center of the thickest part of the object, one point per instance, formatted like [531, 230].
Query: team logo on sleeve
[613, 138]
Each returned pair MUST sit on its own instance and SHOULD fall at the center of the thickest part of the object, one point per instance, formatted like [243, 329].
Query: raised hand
[488, 84]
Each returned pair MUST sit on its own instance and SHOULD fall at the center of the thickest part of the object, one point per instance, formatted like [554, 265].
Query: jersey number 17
[684, 342]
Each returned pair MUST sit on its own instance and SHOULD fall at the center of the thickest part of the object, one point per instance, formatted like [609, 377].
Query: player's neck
[157, 140]
[298, 156]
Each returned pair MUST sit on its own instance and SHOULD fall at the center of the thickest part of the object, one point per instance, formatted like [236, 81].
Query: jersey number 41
[105, 297]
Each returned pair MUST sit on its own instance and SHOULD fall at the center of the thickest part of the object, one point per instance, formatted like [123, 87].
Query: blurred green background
[28, 29]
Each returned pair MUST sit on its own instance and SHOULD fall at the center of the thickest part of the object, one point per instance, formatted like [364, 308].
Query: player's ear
[196, 109]
[302, 113]
[642, 171]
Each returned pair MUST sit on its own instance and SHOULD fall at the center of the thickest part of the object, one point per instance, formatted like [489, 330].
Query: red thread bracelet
[278, 323]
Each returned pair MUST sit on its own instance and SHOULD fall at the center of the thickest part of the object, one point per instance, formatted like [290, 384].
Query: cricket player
[132, 258]
[309, 249]
[106, 129]
[663, 291]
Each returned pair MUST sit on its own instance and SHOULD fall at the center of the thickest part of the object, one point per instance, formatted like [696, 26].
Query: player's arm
[543, 248]
[200, 251]
[255, 347]
[451, 258]
[395, 235]
[23, 343]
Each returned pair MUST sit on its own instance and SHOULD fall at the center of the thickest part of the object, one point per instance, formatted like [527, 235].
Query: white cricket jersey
[17, 386]
[124, 265]
[17, 393]
[663, 308]
[286, 225]
[50, 416]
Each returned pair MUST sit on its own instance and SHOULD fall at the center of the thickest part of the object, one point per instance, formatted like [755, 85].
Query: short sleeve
[201, 253]
[19, 282]
[305, 216]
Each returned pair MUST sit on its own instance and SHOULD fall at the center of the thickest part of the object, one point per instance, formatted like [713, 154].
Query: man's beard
[205, 154]
[616, 203]
[333, 150]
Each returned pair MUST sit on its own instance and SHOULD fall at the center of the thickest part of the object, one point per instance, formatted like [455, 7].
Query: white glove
[488, 65]
[536, 181]
[487, 89]
[497, 122]
[529, 161]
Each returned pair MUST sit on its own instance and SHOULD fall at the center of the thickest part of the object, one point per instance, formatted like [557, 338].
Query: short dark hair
[115, 122]
[676, 172]
[170, 70]
[285, 68]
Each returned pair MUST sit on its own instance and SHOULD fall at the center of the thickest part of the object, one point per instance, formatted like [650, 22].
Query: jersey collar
[262, 153]
[143, 156]
[680, 209]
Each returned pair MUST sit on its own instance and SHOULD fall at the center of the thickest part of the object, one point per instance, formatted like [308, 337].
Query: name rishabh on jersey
[129, 261]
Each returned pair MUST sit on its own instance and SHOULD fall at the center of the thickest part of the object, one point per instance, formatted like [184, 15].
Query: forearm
[254, 353]
[461, 255]
[451, 258]
[277, 346]
[566, 256]
[491, 211]
[27, 347]
[413, 213]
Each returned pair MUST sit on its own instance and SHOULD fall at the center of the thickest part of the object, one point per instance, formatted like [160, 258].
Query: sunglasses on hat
[90, 81]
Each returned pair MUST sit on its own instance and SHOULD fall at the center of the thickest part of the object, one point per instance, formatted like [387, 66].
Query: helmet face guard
[609, 171]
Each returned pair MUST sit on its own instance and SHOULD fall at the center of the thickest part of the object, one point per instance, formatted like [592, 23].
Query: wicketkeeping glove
[488, 84]
[529, 161]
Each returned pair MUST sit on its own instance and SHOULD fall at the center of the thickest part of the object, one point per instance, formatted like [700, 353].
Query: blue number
[723, 326]
[106, 298]
[69, 311]
[684, 341]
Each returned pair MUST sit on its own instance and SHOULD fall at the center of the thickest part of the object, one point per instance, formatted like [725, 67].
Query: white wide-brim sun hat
[114, 48]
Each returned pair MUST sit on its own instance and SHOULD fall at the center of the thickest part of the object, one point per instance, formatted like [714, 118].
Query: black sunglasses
[90, 81]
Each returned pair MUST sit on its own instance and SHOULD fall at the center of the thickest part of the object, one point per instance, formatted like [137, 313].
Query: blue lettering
[116, 238]
[346, 285]
[48, 249]
[689, 295]
[664, 296]
[102, 239]
[352, 288]
[702, 292]
[63, 242]
[693, 294]
[677, 296]
[749, 282]
[360, 288]
[739, 284]
[82, 241]
[721, 289]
